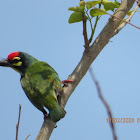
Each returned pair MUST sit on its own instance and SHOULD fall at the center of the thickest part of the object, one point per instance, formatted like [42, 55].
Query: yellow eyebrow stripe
[16, 58]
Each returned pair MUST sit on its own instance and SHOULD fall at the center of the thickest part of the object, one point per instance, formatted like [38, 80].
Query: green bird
[39, 81]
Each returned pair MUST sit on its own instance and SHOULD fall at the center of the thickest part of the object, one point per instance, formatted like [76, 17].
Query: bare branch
[46, 129]
[85, 62]
[126, 21]
[17, 126]
[27, 137]
[104, 102]
[85, 31]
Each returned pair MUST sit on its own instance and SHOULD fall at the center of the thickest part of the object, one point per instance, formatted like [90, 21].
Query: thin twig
[95, 25]
[92, 33]
[93, 29]
[85, 31]
[118, 18]
[104, 102]
[124, 23]
[27, 137]
[17, 126]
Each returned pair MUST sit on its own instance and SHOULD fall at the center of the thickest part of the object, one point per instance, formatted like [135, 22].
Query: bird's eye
[15, 61]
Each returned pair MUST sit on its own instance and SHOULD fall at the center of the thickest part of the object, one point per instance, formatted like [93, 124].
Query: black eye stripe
[15, 60]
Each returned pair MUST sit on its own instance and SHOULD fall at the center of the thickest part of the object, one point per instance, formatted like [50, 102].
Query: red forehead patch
[12, 55]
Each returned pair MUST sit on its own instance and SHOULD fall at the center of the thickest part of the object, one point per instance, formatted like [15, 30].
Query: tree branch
[85, 62]
[17, 126]
[27, 137]
[104, 102]
[95, 25]
[85, 32]
[127, 20]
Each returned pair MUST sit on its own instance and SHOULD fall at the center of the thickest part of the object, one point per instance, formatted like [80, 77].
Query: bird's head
[19, 61]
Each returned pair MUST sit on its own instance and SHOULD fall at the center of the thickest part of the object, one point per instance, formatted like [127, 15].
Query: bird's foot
[64, 82]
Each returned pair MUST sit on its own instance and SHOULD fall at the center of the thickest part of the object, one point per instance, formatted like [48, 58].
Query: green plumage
[40, 82]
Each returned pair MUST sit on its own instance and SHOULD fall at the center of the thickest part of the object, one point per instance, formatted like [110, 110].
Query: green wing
[40, 83]
[43, 75]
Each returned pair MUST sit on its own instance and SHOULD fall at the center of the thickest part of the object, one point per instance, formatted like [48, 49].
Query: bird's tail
[57, 113]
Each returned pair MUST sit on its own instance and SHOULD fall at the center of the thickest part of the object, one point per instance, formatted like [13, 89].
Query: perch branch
[85, 62]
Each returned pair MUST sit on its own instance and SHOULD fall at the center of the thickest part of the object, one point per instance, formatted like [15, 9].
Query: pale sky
[41, 29]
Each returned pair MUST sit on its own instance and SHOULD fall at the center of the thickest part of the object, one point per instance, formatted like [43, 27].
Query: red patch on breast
[12, 55]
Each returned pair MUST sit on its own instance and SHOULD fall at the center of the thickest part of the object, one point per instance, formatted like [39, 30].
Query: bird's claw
[64, 82]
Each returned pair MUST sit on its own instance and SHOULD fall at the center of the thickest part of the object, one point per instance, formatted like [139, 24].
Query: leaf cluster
[93, 9]
[90, 10]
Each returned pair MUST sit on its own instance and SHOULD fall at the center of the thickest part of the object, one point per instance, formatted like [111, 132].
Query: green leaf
[109, 5]
[76, 9]
[117, 3]
[97, 12]
[82, 3]
[75, 17]
[130, 12]
[91, 4]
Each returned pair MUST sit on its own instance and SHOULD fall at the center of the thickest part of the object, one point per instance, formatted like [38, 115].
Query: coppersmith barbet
[39, 81]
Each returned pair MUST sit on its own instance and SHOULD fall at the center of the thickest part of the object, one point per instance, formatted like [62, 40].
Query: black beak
[5, 63]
